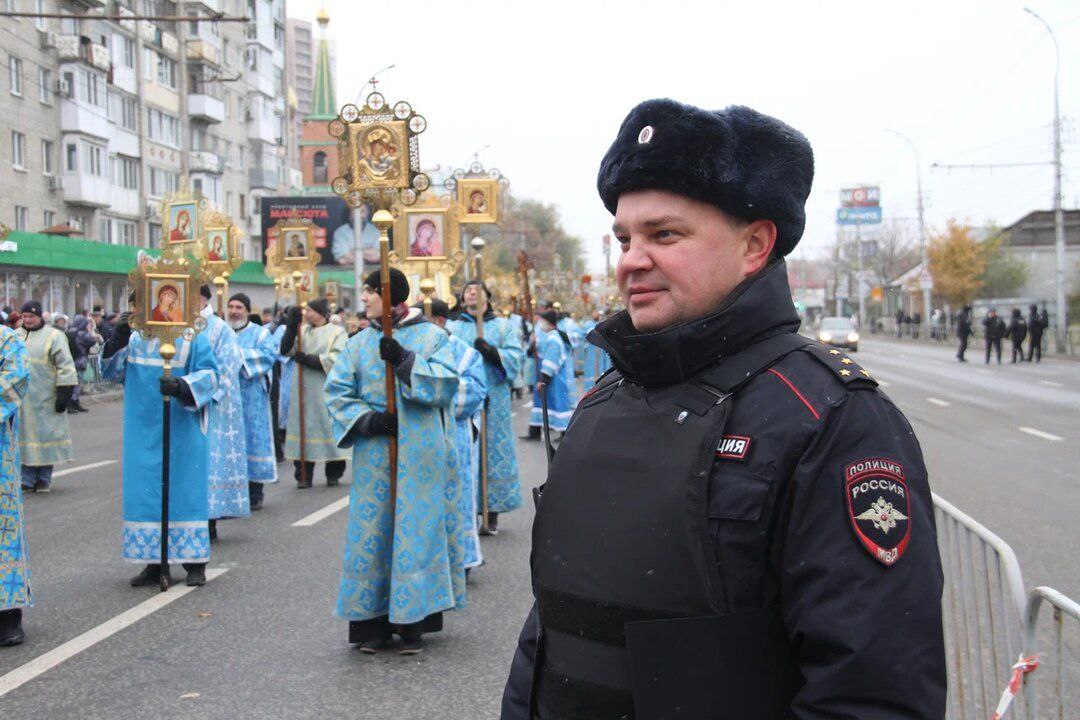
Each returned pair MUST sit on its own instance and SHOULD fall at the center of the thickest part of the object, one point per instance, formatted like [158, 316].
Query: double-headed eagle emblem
[882, 514]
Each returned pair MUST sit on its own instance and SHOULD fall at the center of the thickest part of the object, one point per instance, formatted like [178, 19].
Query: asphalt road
[260, 640]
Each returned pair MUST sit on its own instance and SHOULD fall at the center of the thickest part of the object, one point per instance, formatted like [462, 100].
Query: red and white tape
[1022, 667]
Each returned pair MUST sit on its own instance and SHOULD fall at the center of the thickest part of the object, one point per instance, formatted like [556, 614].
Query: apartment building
[104, 110]
[101, 117]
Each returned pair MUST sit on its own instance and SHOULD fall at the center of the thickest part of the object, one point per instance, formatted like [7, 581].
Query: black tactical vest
[632, 616]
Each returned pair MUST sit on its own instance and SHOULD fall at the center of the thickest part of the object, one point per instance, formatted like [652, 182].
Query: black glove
[488, 351]
[63, 397]
[119, 339]
[531, 352]
[382, 423]
[309, 361]
[169, 386]
[292, 320]
[545, 379]
[391, 351]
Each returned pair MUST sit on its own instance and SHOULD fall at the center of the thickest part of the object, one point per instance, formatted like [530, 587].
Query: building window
[162, 182]
[15, 75]
[18, 150]
[48, 217]
[71, 161]
[47, 157]
[125, 233]
[127, 52]
[91, 88]
[149, 64]
[93, 159]
[21, 217]
[127, 173]
[129, 109]
[105, 230]
[319, 170]
[162, 127]
[166, 71]
[44, 82]
[153, 236]
[39, 7]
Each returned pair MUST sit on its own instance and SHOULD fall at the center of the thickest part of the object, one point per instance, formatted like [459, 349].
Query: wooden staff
[523, 269]
[481, 309]
[168, 352]
[383, 220]
[296, 276]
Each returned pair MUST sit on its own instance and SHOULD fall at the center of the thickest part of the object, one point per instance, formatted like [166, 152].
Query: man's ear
[760, 240]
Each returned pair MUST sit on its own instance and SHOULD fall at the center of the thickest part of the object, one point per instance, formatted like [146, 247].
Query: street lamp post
[922, 223]
[1061, 319]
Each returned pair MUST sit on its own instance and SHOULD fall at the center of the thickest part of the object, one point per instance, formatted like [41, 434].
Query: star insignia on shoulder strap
[865, 372]
[847, 361]
[845, 372]
[834, 352]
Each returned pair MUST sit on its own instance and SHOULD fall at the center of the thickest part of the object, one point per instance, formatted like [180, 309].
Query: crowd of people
[995, 329]
[236, 413]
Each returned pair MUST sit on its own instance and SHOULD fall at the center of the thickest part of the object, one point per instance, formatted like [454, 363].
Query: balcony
[204, 161]
[205, 107]
[78, 48]
[202, 51]
[125, 142]
[263, 130]
[83, 189]
[75, 117]
[260, 177]
[122, 201]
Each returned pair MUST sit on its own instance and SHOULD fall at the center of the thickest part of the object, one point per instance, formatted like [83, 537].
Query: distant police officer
[737, 523]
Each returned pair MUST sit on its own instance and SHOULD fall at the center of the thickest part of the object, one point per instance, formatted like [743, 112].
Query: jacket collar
[759, 307]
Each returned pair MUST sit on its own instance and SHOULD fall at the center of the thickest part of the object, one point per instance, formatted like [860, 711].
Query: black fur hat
[320, 306]
[399, 285]
[749, 165]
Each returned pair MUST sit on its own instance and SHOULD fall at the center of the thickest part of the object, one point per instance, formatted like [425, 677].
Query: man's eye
[665, 234]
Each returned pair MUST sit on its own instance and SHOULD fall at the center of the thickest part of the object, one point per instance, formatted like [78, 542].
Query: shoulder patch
[878, 507]
[733, 447]
[843, 367]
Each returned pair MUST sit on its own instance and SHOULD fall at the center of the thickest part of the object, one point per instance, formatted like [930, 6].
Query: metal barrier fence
[1053, 666]
[92, 382]
[983, 604]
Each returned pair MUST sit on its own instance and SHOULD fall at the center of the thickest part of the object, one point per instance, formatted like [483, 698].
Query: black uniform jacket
[818, 502]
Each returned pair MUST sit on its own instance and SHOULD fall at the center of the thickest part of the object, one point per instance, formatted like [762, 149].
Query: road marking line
[323, 513]
[1041, 434]
[80, 468]
[43, 663]
[1051, 383]
[939, 403]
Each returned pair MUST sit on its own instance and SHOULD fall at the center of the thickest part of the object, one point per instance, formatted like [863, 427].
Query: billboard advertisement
[858, 216]
[860, 196]
[333, 228]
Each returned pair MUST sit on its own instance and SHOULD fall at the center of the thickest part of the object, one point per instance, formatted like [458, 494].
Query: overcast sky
[546, 84]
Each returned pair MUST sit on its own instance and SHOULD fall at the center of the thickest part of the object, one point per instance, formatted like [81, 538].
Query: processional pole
[481, 308]
[383, 220]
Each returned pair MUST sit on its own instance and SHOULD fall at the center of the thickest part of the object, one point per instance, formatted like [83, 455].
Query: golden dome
[322, 17]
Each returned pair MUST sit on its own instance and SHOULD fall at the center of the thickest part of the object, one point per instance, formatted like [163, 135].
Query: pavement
[260, 639]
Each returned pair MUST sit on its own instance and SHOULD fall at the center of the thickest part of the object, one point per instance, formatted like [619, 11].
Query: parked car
[838, 332]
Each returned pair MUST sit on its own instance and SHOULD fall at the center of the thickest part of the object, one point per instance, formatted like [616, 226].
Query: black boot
[492, 525]
[334, 470]
[213, 531]
[11, 632]
[150, 575]
[196, 574]
[309, 470]
[534, 433]
[412, 641]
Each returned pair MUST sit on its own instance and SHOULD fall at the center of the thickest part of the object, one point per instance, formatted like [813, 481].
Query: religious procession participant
[322, 343]
[554, 353]
[589, 364]
[130, 359]
[471, 393]
[228, 462]
[259, 352]
[397, 573]
[501, 349]
[15, 592]
[44, 434]
[738, 523]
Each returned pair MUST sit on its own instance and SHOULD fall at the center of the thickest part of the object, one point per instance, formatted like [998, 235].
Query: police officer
[737, 523]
